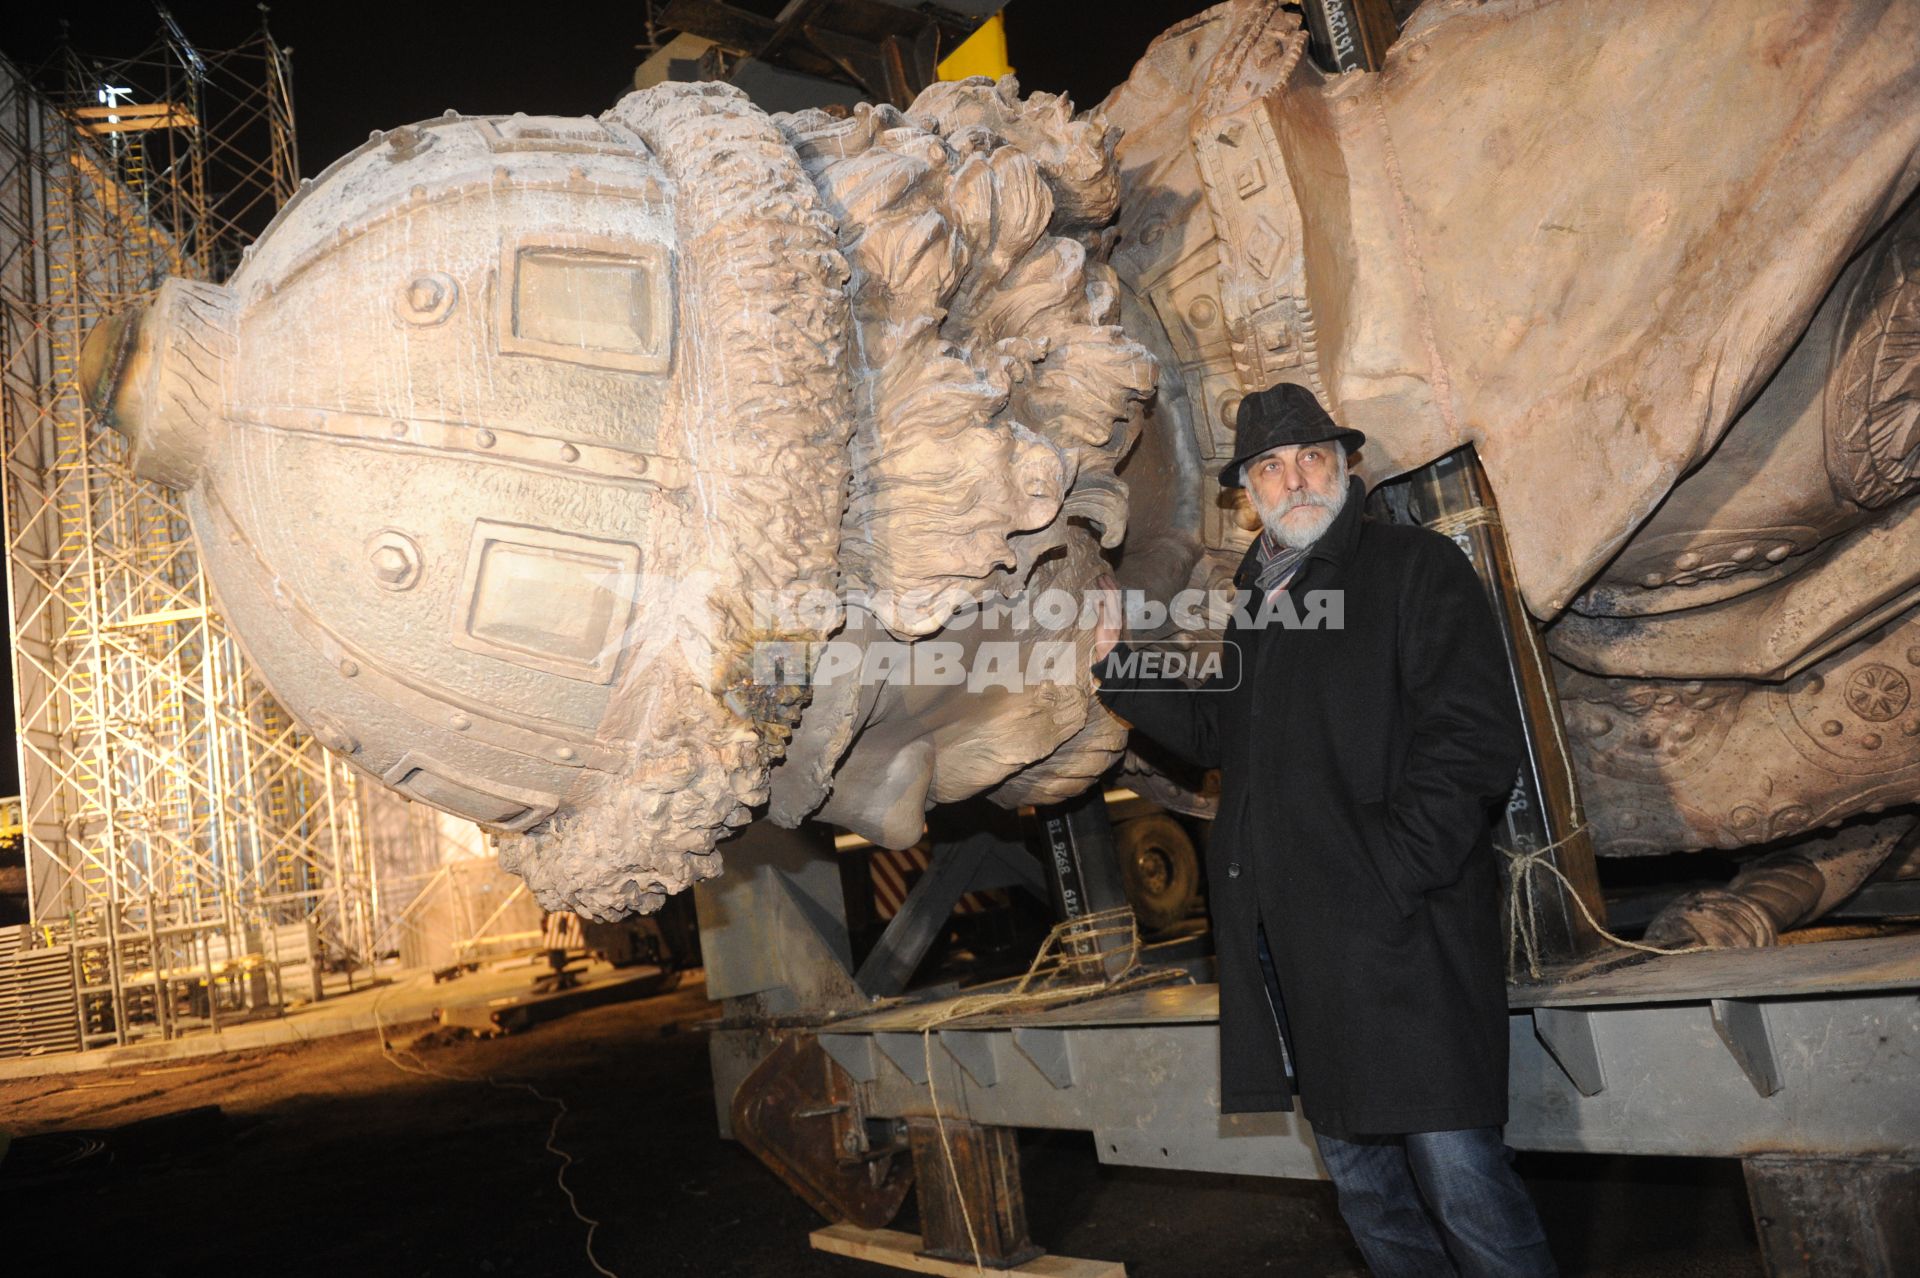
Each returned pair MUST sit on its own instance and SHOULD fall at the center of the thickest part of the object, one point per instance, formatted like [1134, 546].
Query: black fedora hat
[1282, 414]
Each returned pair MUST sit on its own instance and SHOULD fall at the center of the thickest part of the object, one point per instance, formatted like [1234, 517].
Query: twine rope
[1069, 966]
[1461, 520]
[1523, 912]
[1523, 921]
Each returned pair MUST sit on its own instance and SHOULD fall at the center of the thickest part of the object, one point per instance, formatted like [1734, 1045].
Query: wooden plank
[1861, 965]
[898, 1250]
[1160, 1005]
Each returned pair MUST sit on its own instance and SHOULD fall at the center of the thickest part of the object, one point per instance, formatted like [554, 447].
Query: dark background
[360, 65]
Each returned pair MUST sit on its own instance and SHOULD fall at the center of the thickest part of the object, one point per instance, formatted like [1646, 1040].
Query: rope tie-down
[1460, 521]
[1523, 911]
[1070, 966]
[1523, 922]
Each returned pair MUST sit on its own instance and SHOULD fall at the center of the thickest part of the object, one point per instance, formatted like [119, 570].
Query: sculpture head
[464, 443]
[515, 442]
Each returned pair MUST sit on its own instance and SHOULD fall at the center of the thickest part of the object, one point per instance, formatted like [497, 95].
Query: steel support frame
[163, 788]
[1848, 1068]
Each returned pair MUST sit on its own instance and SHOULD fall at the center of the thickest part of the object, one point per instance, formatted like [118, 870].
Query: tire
[1159, 868]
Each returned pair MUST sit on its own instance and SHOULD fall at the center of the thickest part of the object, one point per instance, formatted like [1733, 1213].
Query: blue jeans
[1437, 1203]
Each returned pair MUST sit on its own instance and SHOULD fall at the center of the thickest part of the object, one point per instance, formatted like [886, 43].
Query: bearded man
[1354, 888]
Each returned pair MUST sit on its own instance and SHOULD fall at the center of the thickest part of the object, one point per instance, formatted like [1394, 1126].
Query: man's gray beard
[1297, 536]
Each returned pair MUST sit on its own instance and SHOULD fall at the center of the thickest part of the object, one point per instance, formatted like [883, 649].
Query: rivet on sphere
[424, 293]
[1831, 728]
[569, 453]
[460, 722]
[1778, 553]
[484, 438]
[390, 564]
[566, 752]
[349, 667]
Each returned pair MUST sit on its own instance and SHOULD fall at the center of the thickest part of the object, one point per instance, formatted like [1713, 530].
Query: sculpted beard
[1325, 507]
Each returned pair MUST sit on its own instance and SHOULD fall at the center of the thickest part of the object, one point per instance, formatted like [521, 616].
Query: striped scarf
[1278, 563]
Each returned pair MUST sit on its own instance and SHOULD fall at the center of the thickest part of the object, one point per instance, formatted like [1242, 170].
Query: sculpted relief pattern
[550, 468]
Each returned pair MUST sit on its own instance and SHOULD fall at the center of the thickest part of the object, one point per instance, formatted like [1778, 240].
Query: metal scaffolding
[177, 824]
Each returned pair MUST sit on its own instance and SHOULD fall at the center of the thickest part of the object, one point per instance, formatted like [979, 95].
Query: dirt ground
[328, 1159]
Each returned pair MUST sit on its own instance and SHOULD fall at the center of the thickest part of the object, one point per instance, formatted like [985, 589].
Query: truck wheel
[1159, 868]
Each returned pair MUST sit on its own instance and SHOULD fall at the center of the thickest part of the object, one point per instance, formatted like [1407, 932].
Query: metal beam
[1849, 1067]
[1083, 868]
[1453, 496]
[1835, 1217]
[951, 872]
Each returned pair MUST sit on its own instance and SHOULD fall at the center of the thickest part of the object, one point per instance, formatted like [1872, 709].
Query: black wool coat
[1360, 769]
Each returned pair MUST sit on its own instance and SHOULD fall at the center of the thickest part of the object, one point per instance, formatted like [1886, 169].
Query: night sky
[360, 66]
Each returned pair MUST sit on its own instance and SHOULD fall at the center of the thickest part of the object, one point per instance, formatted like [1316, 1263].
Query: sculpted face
[1298, 490]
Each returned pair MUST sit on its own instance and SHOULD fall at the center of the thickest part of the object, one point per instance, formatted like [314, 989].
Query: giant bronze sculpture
[533, 459]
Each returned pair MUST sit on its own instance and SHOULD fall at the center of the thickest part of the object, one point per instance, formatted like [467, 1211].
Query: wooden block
[901, 1251]
[975, 1169]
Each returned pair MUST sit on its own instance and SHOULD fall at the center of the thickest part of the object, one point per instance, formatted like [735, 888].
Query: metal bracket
[1568, 1036]
[798, 1113]
[854, 1054]
[1742, 1026]
[1050, 1050]
[973, 1049]
[907, 1050]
